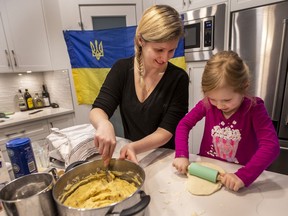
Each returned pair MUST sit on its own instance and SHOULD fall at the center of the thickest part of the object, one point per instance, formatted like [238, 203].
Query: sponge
[203, 172]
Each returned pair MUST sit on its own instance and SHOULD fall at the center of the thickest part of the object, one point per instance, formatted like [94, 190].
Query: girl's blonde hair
[226, 68]
[159, 23]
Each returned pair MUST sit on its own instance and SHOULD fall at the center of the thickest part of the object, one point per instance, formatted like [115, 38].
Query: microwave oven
[199, 34]
[204, 32]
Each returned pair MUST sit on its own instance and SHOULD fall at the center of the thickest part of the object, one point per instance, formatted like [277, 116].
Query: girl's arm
[268, 145]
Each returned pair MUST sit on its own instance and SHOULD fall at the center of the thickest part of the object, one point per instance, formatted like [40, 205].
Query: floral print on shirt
[225, 141]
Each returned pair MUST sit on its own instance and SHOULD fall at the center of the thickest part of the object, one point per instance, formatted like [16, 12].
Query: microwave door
[192, 36]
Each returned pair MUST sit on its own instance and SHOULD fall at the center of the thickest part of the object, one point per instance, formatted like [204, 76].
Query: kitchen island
[267, 196]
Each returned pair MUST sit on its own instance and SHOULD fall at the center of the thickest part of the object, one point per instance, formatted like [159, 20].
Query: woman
[152, 93]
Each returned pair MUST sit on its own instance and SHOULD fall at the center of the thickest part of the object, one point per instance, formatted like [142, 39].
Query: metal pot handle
[74, 164]
[138, 207]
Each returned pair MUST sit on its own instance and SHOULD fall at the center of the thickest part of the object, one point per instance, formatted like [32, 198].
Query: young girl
[237, 127]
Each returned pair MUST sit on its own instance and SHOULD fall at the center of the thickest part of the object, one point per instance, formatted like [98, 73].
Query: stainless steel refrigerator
[260, 36]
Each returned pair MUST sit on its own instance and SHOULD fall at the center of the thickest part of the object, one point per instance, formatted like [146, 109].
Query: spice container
[22, 157]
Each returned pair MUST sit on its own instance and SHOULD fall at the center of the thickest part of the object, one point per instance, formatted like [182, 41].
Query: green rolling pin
[203, 172]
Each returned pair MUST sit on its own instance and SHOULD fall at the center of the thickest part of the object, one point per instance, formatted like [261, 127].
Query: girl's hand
[231, 181]
[181, 164]
[128, 152]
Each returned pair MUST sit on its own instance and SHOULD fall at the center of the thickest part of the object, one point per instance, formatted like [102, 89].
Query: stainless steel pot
[29, 195]
[134, 204]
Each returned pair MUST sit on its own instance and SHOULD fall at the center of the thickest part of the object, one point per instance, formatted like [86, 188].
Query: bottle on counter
[29, 100]
[21, 101]
[38, 101]
[46, 97]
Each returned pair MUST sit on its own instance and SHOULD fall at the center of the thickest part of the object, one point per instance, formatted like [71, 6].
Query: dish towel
[73, 143]
[76, 143]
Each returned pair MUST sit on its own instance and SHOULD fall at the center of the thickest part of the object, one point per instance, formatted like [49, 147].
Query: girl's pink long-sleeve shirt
[248, 137]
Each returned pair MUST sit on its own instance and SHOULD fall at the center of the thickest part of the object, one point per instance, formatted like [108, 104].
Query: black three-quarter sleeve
[111, 91]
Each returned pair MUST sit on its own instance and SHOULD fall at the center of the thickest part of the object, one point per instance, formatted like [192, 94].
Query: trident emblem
[97, 51]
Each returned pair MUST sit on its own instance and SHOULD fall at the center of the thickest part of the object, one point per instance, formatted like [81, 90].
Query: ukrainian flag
[92, 54]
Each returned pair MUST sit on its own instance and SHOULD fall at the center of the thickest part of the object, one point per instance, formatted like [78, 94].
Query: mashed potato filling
[96, 191]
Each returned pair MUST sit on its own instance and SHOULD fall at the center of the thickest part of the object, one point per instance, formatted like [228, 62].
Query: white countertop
[24, 117]
[267, 196]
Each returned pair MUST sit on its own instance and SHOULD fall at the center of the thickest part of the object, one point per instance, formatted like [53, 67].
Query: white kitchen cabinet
[244, 4]
[196, 4]
[179, 5]
[34, 130]
[23, 28]
[184, 5]
[61, 122]
[195, 71]
[5, 61]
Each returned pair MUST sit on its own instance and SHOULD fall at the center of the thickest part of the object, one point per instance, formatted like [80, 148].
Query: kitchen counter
[26, 116]
[267, 196]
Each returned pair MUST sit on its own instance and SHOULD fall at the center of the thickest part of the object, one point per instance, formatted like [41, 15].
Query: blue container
[21, 156]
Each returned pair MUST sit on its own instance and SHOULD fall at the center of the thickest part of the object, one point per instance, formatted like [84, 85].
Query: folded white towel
[74, 143]
[77, 143]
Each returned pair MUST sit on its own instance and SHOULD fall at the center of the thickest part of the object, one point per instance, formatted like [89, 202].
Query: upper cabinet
[184, 5]
[23, 28]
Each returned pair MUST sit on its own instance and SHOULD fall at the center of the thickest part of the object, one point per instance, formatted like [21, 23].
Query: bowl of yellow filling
[87, 190]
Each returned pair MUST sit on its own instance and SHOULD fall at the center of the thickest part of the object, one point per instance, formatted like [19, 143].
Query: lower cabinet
[61, 121]
[195, 71]
[35, 130]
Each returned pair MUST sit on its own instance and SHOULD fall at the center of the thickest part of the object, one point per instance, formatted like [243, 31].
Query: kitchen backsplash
[57, 83]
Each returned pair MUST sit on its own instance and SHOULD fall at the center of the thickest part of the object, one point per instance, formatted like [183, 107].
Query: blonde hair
[226, 68]
[159, 23]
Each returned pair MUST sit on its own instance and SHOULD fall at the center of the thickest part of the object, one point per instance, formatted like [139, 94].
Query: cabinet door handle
[14, 56]
[8, 59]
[184, 3]
[20, 132]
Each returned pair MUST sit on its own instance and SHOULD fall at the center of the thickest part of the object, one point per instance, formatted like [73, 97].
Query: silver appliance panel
[215, 13]
[260, 36]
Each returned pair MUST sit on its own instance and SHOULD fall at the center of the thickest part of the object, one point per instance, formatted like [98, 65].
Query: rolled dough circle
[198, 186]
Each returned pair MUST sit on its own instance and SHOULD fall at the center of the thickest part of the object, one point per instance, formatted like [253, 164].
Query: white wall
[57, 82]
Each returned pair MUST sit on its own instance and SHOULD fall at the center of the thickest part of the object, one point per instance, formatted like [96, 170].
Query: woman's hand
[128, 152]
[105, 140]
[181, 164]
[231, 181]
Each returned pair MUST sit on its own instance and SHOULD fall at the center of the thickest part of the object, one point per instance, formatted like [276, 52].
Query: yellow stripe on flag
[179, 61]
[87, 82]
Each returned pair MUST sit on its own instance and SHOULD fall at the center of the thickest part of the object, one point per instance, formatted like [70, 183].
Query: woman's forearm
[96, 116]
[152, 141]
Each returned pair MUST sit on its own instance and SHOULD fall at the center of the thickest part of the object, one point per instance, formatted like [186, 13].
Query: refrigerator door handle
[277, 101]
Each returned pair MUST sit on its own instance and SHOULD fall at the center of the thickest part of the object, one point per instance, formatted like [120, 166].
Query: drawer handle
[8, 60]
[14, 56]
[20, 132]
